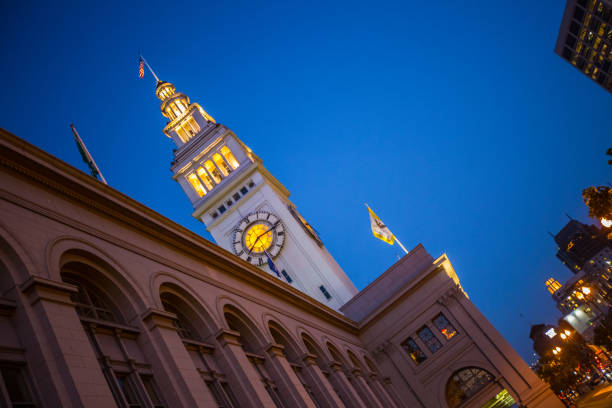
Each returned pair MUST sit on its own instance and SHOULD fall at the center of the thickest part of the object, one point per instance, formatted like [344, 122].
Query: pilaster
[185, 387]
[344, 386]
[250, 390]
[73, 375]
[321, 387]
[289, 385]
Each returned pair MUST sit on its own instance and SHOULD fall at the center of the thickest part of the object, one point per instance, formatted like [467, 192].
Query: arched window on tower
[229, 156]
[213, 171]
[223, 166]
[464, 383]
[205, 178]
[195, 183]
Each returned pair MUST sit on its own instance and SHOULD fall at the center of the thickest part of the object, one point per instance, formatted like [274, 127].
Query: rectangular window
[287, 277]
[193, 125]
[430, 340]
[205, 178]
[19, 394]
[244, 190]
[444, 326]
[229, 156]
[216, 394]
[128, 390]
[414, 351]
[325, 292]
[195, 183]
[221, 209]
[151, 388]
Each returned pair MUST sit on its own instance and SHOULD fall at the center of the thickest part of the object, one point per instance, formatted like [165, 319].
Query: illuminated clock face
[256, 234]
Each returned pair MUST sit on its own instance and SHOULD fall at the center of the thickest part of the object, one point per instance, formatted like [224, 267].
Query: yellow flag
[379, 229]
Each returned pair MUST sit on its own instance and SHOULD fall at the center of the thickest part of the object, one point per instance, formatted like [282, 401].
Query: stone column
[242, 376]
[380, 392]
[286, 380]
[344, 386]
[68, 373]
[321, 387]
[174, 370]
[366, 393]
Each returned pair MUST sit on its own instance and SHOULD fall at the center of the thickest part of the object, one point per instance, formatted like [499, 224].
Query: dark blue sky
[454, 120]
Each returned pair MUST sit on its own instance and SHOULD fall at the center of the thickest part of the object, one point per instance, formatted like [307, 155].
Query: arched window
[229, 156]
[205, 178]
[464, 384]
[225, 169]
[90, 303]
[213, 171]
[195, 183]
[181, 323]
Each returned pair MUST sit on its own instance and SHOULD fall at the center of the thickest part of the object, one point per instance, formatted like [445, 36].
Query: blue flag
[272, 266]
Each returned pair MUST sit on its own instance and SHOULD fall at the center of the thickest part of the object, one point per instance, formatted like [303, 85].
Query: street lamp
[586, 290]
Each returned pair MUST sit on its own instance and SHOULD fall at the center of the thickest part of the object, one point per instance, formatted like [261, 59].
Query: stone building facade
[104, 302]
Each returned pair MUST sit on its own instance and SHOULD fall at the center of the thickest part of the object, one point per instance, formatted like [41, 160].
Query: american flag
[141, 68]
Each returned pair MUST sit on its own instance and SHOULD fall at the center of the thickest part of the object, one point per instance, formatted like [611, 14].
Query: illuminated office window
[223, 166]
[227, 153]
[195, 183]
[213, 171]
[205, 178]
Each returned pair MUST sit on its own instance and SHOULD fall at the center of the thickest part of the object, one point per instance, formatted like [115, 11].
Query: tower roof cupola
[174, 104]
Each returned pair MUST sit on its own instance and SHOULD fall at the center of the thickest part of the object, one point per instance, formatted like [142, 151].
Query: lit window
[444, 326]
[175, 110]
[169, 113]
[225, 169]
[194, 125]
[414, 351]
[431, 341]
[182, 134]
[195, 183]
[213, 171]
[229, 156]
[205, 178]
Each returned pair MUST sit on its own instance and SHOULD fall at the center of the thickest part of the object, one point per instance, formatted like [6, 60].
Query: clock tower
[244, 207]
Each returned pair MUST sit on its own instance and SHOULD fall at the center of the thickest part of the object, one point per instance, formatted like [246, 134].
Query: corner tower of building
[244, 207]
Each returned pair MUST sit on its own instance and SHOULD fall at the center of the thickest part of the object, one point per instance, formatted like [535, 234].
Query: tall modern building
[245, 208]
[577, 243]
[585, 39]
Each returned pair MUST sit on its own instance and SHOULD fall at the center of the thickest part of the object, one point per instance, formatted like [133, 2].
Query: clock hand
[261, 235]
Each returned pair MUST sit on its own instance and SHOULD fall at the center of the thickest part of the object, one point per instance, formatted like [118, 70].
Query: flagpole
[150, 69]
[400, 244]
[90, 159]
